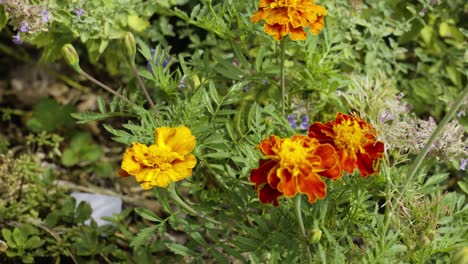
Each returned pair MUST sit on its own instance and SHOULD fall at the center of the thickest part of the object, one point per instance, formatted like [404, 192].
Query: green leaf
[3, 17]
[49, 116]
[199, 238]
[86, 117]
[181, 250]
[6, 233]
[27, 259]
[464, 186]
[34, 242]
[69, 158]
[137, 23]
[101, 104]
[143, 236]
[19, 236]
[147, 214]
[83, 212]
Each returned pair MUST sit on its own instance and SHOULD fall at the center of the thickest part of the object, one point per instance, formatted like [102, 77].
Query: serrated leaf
[86, 117]
[199, 238]
[143, 236]
[181, 250]
[213, 93]
[147, 214]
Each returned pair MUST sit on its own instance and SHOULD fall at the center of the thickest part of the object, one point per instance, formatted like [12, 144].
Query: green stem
[173, 194]
[145, 91]
[301, 225]
[419, 159]
[105, 87]
[282, 74]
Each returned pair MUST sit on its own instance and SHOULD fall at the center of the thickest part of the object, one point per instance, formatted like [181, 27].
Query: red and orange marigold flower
[284, 17]
[354, 140]
[294, 165]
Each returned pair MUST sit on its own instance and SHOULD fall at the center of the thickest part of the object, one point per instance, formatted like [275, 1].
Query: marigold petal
[257, 16]
[322, 132]
[183, 168]
[287, 184]
[365, 164]
[277, 31]
[267, 194]
[259, 175]
[297, 33]
[312, 186]
[348, 161]
[178, 139]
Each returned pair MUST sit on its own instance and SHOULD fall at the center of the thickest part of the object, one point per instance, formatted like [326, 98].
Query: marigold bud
[130, 46]
[71, 57]
[315, 235]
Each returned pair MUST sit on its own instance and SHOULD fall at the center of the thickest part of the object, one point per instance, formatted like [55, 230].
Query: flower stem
[301, 225]
[282, 74]
[419, 159]
[105, 87]
[145, 91]
[173, 194]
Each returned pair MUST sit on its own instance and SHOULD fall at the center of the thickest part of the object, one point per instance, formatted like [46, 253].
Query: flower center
[161, 158]
[349, 135]
[293, 155]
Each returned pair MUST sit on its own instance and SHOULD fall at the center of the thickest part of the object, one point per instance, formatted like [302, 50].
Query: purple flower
[79, 12]
[461, 113]
[463, 163]
[164, 63]
[24, 26]
[292, 121]
[304, 123]
[385, 116]
[45, 16]
[17, 39]
[245, 88]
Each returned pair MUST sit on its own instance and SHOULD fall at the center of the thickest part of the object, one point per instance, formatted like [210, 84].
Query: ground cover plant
[220, 131]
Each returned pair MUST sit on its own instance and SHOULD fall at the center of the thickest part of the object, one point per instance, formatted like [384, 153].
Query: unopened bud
[71, 57]
[130, 46]
[315, 235]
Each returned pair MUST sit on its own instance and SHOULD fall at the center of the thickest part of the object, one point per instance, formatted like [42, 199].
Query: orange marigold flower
[284, 17]
[167, 160]
[294, 165]
[354, 140]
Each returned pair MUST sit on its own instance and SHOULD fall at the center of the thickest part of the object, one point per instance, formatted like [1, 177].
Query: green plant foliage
[82, 149]
[208, 68]
[49, 116]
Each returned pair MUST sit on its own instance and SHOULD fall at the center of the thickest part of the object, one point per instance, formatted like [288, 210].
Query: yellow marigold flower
[294, 165]
[167, 160]
[284, 17]
[355, 141]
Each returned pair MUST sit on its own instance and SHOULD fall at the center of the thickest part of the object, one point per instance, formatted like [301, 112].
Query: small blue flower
[45, 16]
[292, 121]
[463, 163]
[304, 123]
[79, 12]
[24, 26]
[386, 116]
[17, 39]
[461, 113]
[164, 63]
[245, 88]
